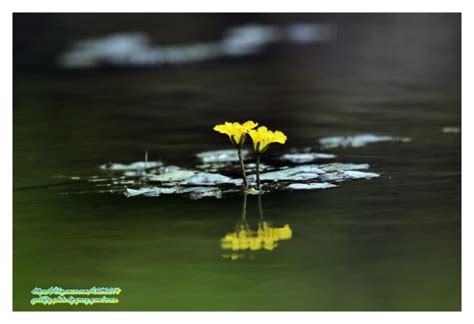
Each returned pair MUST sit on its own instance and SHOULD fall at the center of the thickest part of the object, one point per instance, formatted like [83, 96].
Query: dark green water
[391, 243]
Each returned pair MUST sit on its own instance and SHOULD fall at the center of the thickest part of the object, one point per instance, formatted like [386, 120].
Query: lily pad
[309, 172]
[306, 157]
[146, 191]
[204, 178]
[299, 173]
[192, 177]
[226, 166]
[135, 166]
[194, 192]
[311, 186]
[173, 175]
[347, 175]
[220, 156]
[214, 167]
[358, 140]
[335, 167]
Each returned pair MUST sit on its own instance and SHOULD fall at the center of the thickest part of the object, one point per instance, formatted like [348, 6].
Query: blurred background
[94, 88]
[366, 61]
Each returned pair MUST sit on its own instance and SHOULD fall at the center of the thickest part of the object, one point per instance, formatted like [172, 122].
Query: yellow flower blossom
[237, 132]
[263, 137]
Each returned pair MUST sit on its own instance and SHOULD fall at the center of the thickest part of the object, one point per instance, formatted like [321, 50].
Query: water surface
[391, 243]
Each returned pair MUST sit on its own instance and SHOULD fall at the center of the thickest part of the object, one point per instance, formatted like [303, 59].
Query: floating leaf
[358, 140]
[299, 173]
[146, 191]
[347, 175]
[221, 156]
[311, 186]
[307, 172]
[204, 178]
[334, 167]
[351, 174]
[194, 192]
[306, 157]
[326, 172]
[173, 175]
[232, 167]
[214, 167]
[253, 191]
[192, 177]
[135, 166]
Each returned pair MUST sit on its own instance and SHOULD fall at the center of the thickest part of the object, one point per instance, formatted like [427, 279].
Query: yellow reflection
[265, 237]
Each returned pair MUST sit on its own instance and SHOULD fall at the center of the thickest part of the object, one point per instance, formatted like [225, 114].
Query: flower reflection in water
[244, 241]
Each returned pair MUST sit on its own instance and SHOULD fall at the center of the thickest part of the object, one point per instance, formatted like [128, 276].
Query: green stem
[258, 171]
[244, 176]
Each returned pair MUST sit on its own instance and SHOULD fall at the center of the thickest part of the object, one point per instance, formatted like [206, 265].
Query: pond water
[388, 243]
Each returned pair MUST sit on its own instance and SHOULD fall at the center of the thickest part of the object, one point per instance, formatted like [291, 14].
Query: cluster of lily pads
[214, 175]
[216, 172]
[138, 180]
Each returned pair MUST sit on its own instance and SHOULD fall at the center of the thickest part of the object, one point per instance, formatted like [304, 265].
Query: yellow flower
[237, 132]
[263, 137]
